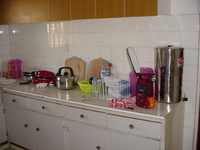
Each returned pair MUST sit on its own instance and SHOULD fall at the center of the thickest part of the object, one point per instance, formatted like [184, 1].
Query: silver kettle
[66, 81]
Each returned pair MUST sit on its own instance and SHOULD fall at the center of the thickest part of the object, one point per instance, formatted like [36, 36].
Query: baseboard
[5, 145]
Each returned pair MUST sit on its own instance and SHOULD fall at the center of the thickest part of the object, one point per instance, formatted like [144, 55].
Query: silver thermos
[169, 62]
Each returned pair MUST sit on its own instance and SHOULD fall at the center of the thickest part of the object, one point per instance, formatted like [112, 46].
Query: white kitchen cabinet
[86, 137]
[126, 141]
[48, 132]
[3, 137]
[57, 123]
[18, 120]
[47, 125]
[86, 129]
[136, 134]
[19, 126]
[31, 123]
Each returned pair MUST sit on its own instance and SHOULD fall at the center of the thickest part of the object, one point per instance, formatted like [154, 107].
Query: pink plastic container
[133, 78]
[16, 68]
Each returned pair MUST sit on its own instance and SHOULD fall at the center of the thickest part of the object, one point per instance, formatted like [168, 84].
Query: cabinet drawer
[140, 127]
[86, 116]
[15, 100]
[46, 107]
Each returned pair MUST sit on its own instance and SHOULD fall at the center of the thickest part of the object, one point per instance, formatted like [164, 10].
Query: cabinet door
[39, 10]
[141, 8]
[3, 137]
[48, 132]
[7, 11]
[149, 7]
[124, 141]
[85, 137]
[82, 9]
[19, 126]
[22, 11]
[109, 8]
[59, 10]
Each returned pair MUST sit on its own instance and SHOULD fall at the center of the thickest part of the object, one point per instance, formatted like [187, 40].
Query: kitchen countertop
[73, 97]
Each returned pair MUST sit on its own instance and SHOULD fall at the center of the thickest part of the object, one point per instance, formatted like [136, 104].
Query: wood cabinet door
[22, 11]
[59, 10]
[141, 8]
[48, 132]
[82, 9]
[39, 11]
[7, 11]
[149, 7]
[19, 126]
[3, 137]
[85, 137]
[109, 8]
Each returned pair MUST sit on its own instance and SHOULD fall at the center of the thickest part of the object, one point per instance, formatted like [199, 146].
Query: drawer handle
[82, 116]
[13, 100]
[98, 147]
[131, 126]
[43, 107]
[37, 129]
[25, 125]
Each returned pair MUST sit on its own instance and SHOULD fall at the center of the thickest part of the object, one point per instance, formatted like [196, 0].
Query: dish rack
[116, 87]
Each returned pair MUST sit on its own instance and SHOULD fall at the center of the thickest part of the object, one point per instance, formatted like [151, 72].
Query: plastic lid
[104, 63]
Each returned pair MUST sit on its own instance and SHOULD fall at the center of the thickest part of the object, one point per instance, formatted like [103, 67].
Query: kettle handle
[59, 71]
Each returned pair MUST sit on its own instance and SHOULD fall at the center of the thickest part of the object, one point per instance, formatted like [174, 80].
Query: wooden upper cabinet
[132, 8]
[7, 11]
[109, 8]
[59, 10]
[22, 11]
[82, 9]
[141, 8]
[31, 11]
[149, 7]
[39, 10]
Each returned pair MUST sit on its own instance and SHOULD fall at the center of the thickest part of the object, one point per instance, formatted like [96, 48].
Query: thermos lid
[169, 47]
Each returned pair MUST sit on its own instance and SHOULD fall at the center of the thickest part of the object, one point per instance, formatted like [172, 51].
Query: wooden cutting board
[95, 67]
[78, 67]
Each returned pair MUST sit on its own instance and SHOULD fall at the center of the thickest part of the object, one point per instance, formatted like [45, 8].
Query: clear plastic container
[16, 68]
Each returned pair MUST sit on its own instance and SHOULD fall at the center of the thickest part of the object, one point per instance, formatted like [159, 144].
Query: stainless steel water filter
[169, 62]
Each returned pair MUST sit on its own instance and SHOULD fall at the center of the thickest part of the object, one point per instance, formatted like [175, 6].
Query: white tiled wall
[42, 45]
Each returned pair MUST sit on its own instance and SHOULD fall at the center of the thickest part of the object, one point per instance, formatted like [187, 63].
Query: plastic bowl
[85, 86]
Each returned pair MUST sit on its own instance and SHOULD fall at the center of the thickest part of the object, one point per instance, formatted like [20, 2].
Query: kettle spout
[75, 79]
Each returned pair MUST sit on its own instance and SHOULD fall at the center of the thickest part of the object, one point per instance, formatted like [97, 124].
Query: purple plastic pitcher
[16, 68]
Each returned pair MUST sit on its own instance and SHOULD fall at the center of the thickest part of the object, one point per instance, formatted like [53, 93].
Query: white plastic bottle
[105, 72]
[95, 91]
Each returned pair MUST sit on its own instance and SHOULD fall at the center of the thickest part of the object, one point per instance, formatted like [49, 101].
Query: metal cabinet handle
[13, 100]
[43, 107]
[25, 125]
[82, 116]
[131, 126]
[37, 129]
[98, 147]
